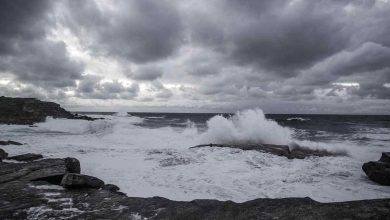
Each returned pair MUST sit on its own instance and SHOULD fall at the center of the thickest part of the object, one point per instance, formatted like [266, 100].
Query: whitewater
[147, 161]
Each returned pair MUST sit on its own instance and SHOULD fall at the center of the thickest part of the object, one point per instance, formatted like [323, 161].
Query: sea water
[148, 154]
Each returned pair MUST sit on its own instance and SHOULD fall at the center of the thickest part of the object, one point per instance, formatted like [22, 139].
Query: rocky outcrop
[31, 110]
[26, 157]
[297, 152]
[379, 171]
[32, 190]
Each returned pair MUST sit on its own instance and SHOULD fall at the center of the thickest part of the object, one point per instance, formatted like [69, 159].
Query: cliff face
[29, 110]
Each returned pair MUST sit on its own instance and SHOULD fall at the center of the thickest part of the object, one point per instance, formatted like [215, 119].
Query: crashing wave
[246, 127]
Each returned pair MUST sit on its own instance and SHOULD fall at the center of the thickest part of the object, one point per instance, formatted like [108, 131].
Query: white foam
[249, 126]
[147, 162]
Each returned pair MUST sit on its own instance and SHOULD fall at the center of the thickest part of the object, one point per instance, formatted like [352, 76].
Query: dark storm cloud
[137, 31]
[276, 35]
[25, 50]
[220, 52]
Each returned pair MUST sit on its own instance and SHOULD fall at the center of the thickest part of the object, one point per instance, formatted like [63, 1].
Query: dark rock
[297, 152]
[111, 187]
[72, 165]
[3, 154]
[26, 157]
[385, 157]
[31, 171]
[378, 171]
[31, 110]
[73, 180]
[10, 143]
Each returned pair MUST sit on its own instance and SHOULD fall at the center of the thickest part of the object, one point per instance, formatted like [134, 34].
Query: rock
[50, 170]
[111, 187]
[73, 180]
[3, 154]
[378, 171]
[385, 157]
[297, 152]
[31, 110]
[10, 143]
[72, 165]
[26, 157]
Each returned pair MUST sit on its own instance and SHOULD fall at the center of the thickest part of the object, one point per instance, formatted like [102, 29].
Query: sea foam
[246, 127]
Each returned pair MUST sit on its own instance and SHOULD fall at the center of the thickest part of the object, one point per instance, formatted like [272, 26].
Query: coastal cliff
[31, 110]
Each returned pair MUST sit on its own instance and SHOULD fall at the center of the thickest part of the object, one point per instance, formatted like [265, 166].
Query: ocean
[148, 154]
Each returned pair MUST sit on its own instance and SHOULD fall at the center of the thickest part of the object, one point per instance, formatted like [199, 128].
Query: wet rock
[30, 110]
[378, 171]
[47, 169]
[73, 180]
[10, 143]
[72, 165]
[385, 157]
[3, 154]
[297, 152]
[111, 187]
[26, 157]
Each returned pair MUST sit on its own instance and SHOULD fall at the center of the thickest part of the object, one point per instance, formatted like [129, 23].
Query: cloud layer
[308, 56]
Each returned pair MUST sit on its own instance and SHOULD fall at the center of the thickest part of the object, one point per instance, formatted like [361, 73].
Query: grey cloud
[25, 50]
[137, 31]
[160, 90]
[148, 73]
[93, 87]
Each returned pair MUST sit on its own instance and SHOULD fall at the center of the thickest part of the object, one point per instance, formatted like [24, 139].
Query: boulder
[378, 171]
[26, 157]
[72, 165]
[111, 187]
[3, 154]
[385, 157]
[73, 180]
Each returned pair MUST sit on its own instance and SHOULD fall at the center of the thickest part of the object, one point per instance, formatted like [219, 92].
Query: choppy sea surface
[147, 154]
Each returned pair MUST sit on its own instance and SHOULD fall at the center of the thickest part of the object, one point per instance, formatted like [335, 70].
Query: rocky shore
[30, 110]
[53, 188]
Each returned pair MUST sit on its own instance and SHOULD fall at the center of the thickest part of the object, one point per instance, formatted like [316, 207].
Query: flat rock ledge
[32, 190]
[296, 152]
[28, 111]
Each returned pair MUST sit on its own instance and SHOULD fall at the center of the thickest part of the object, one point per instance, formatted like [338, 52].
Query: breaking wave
[246, 127]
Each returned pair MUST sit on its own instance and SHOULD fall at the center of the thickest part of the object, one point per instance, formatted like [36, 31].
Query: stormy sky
[297, 56]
